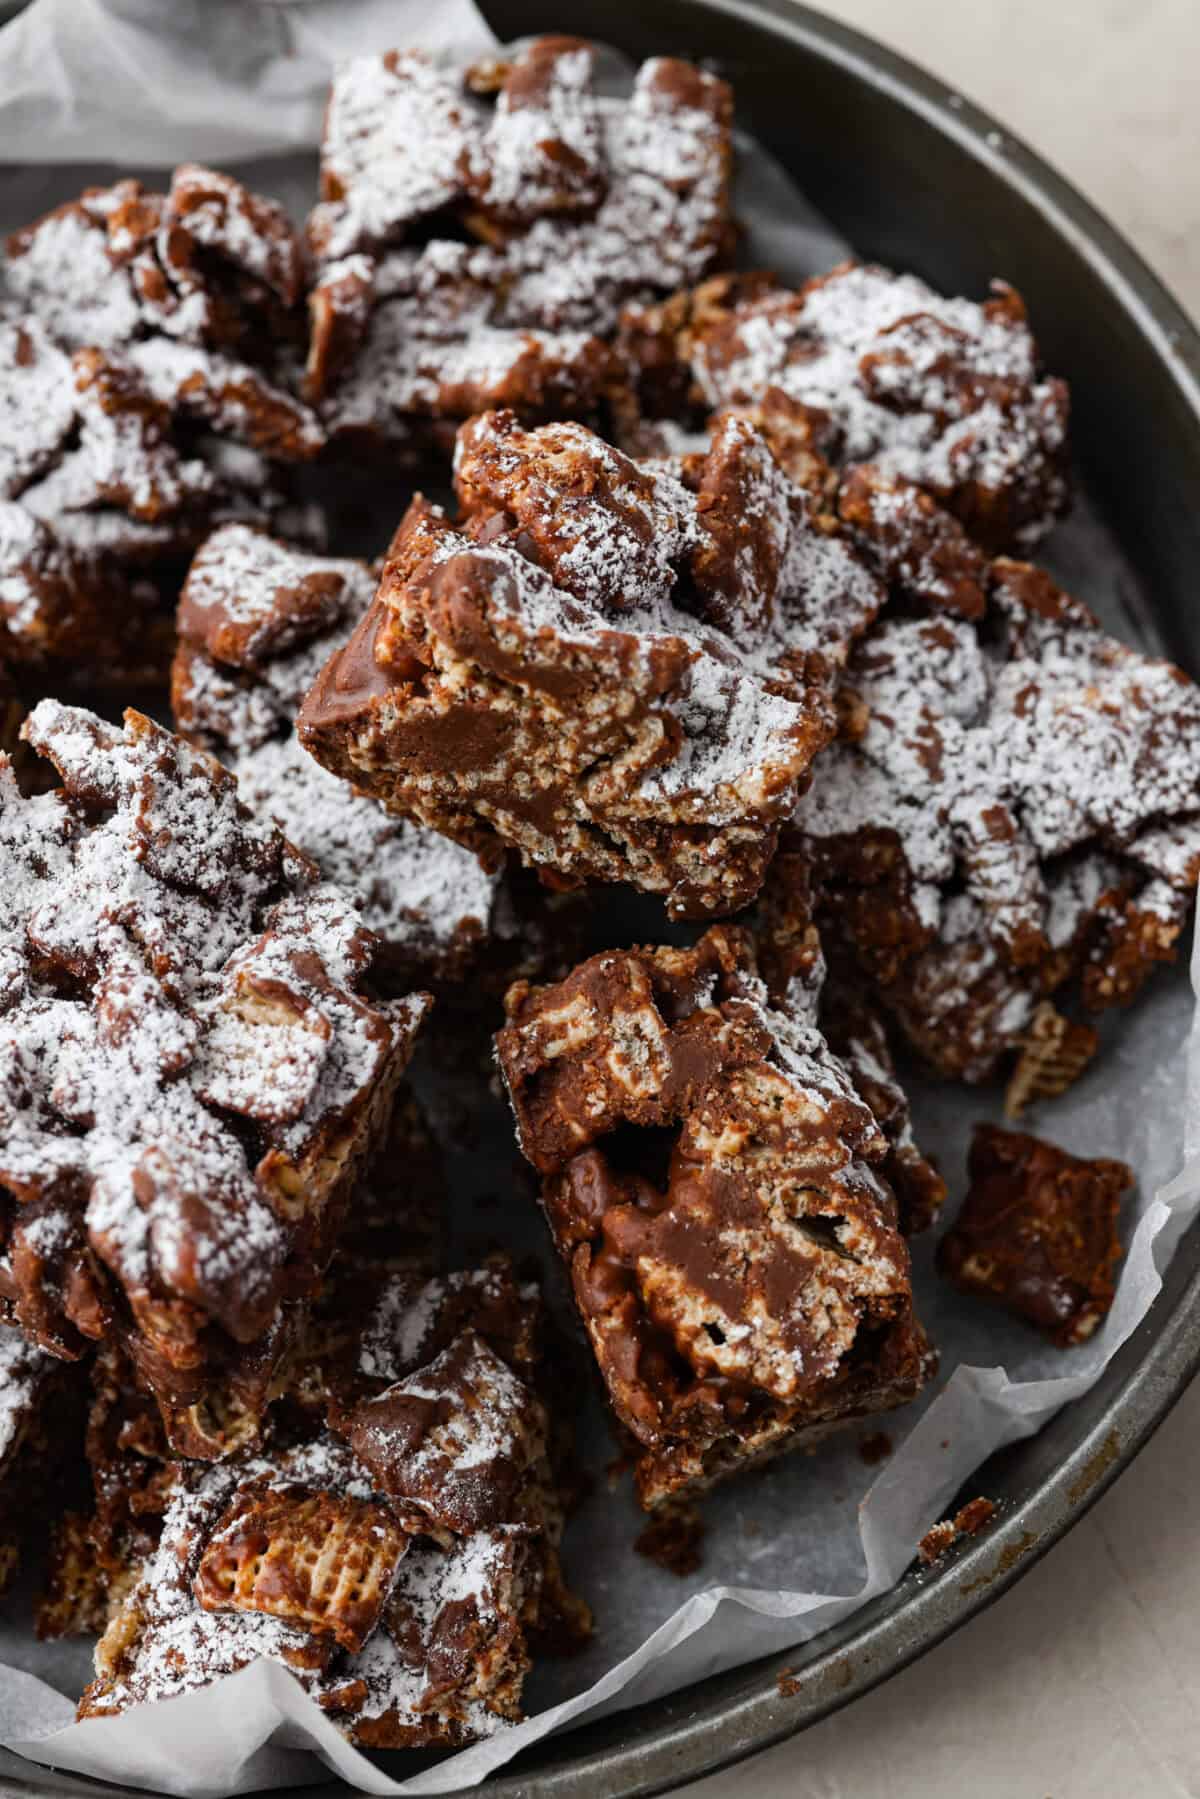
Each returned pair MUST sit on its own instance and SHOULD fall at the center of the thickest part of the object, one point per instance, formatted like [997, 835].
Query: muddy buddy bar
[257, 621]
[479, 230]
[861, 365]
[194, 1070]
[621, 674]
[1011, 815]
[713, 1182]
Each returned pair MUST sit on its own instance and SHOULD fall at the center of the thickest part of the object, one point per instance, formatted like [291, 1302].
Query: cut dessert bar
[1038, 1232]
[194, 1070]
[398, 1564]
[712, 1181]
[479, 229]
[1010, 813]
[621, 674]
[257, 621]
[863, 365]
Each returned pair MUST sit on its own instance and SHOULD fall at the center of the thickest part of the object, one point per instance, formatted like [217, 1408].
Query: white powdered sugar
[37, 403]
[398, 1327]
[23, 1372]
[66, 274]
[582, 203]
[657, 227]
[234, 397]
[241, 573]
[443, 1595]
[433, 1588]
[434, 345]
[541, 151]
[418, 891]
[616, 567]
[396, 132]
[486, 1409]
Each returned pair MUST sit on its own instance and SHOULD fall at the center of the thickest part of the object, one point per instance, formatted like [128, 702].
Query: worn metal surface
[916, 177]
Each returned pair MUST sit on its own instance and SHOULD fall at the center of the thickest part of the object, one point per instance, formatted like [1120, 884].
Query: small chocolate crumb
[875, 1448]
[673, 1537]
[937, 1540]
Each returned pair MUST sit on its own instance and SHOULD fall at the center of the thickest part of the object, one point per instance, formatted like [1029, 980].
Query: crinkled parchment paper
[801, 1545]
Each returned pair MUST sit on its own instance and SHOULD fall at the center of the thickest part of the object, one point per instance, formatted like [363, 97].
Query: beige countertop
[1081, 1682]
[1107, 90]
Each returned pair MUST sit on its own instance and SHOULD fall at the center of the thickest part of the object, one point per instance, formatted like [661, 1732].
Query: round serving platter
[915, 176]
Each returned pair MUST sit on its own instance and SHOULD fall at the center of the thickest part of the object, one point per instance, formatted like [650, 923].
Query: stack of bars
[714, 620]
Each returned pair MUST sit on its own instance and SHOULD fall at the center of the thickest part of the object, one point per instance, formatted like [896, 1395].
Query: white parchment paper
[802, 1544]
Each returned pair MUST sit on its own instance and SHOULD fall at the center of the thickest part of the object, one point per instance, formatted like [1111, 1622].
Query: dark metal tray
[917, 177]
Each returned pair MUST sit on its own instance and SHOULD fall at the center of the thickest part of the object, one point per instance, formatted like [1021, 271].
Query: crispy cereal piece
[101, 496]
[398, 347]
[322, 1562]
[707, 1163]
[450, 1660]
[456, 1440]
[77, 1591]
[413, 1319]
[146, 385]
[199, 289]
[227, 265]
[232, 399]
[208, 262]
[542, 154]
[599, 667]
[920, 549]
[968, 1521]
[160, 1640]
[1037, 1231]
[396, 132]
[257, 619]
[1054, 1054]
